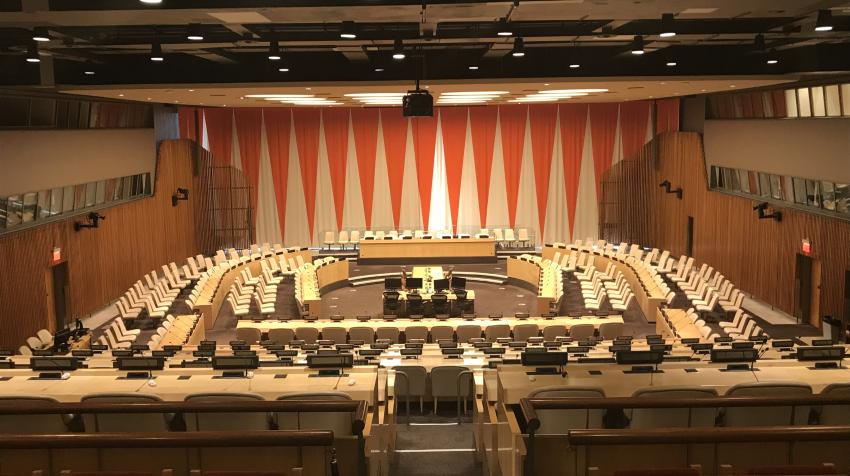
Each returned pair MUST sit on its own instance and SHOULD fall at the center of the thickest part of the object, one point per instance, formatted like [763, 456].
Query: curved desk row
[646, 291]
[530, 272]
[329, 272]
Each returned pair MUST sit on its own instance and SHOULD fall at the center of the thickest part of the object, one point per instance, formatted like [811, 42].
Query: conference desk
[454, 323]
[647, 293]
[418, 249]
[529, 272]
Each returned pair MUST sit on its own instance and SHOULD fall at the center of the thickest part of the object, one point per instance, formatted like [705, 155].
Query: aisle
[435, 445]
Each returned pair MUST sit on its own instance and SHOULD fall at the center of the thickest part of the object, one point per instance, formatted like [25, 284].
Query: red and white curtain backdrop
[520, 166]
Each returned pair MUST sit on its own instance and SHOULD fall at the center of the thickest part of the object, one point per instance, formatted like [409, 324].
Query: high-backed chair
[281, 336]
[767, 416]
[561, 421]
[673, 417]
[581, 331]
[251, 335]
[411, 384]
[495, 331]
[27, 461]
[523, 331]
[338, 422]
[468, 331]
[441, 333]
[124, 422]
[308, 334]
[551, 332]
[610, 330]
[45, 337]
[225, 421]
[447, 382]
[366, 334]
[389, 333]
[835, 414]
[415, 332]
[336, 334]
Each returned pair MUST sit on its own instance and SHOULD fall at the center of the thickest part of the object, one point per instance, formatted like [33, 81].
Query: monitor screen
[458, 282]
[162, 353]
[545, 358]
[820, 353]
[370, 352]
[82, 353]
[700, 346]
[392, 283]
[413, 351]
[640, 357]
[172, 348]
[140, 363]
[122, 353]
[379, 346]
[414, 283]
[207, 342]
[493, 350]
[619, 348]
[723, 340]
[731, 356]
[236, 347]
[578, 349]
[344, 346]
[743, 345]
[782, 344]
[413, 345]
[330, 361]
[140, 347]
[447, 344]
[690, 340]
[453, 351]
[203, 353]
[441, 285]
[46, 364]
[822, 342]
[223, 362]
[244, 353]
[44, 352]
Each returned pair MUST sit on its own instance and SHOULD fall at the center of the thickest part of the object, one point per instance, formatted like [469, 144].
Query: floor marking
[446, 450]
[434, 424]
[522, 304]
[520, 295]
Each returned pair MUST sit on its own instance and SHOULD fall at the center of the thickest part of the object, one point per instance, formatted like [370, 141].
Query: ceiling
[346, 94]
[108, 42]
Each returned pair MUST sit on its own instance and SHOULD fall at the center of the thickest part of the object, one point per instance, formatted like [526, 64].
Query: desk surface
[402, 324]
[418, 248]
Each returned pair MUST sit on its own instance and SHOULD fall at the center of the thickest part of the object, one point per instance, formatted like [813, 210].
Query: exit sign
[806, 247]
[56, 256]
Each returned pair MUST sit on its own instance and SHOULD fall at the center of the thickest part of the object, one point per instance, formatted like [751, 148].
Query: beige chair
[336, 334]
[45, 337]
[415, 332]
[329, 239]
[25, 462]
[413, 383]
[308, 334]
[125, 422]
[561, 421]
[251, 335]
[451, 381]
[467, 331]
[25, 350]
[581, 331]
[496, 331]
[366, 334]
[835, 414]
[281, 336]
[551, 332]
[225, 421]
[389, 333]
[673, 417]
[442, 333]
[767, 416]
[338, 422]
[523, 331]
[610, 330]
[35, 343]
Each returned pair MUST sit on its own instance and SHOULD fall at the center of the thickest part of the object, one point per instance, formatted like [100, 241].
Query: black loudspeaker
[418, 103]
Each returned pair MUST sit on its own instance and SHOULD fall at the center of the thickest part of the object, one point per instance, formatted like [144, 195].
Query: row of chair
[742, 326]
[598, 286]
[504, 237]
[117, 336]
[306, 286]
[173, 331]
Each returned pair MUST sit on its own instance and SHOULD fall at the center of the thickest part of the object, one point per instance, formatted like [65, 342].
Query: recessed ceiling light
[504, 28]
[667, 29]
[378, 70]
[671, 63]
[194, 33]
[278, 95]
[191, 90]
[703, 90]
[545, 84]
[575, 66]
[150, 99]
[772, 61]
[731, 85]
[637, 45]
[40, 34]
[283, 70]
[308, 88]
[274, 50]
[348, 30]
[156, 52]
[574, 91]
[398, 50]
[519, 48]
[88, 72]
[151, 2]
[473, 68]
[824, 21]
[478, 93]
[121, 95]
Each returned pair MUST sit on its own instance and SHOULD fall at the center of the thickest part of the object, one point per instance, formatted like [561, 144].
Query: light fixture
[771, 58]
[575, 66]
[672, 63]
[284, 69]
[41, 34]
[637, 45]
[761, 210]
[180, 194]
[398, 50]
[519, 48]
[89, 72]
[473, 68]
[824, 22]
[274, 50]
[93, 221]
[194, 33]
[156, 52]
[378, 70]
[32, 53]
[667, 30]
[667, 188]
[504, 28]
[348, 30]
[151, 2]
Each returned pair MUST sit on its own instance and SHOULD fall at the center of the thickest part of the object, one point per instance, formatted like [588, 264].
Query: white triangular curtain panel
[538, 167]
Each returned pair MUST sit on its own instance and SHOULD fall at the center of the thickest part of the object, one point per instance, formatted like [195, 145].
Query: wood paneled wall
[134, 239]
[759, 256]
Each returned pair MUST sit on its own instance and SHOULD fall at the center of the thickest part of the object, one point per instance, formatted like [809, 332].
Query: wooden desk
[530, 273]
[84, 342]
[330, 273]
[419, 249]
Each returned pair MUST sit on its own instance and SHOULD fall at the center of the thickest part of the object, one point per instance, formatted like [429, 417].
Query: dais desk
[419, 249]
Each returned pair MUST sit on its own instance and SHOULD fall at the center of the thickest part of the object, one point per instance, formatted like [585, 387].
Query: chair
[559, 421]
[225, 421]
[389, 333]
[338, 422]
[415, 332]
[451, 381]
[522, 332]
[366, 334]
[441, 333]
[45, 337]
[509, 236]
[581, 331]
[610, 330]
[329, 239]
[410, 381]
[467, 331]
[673, 417]
[25, 350]
[439, 304]
[308, 334]
[767, 416]
[251, 335]
[343, 239]
[29, 460]
[336, 334]
[495, 331]
[125, 422]
[281, 336]
[835, 414]
[35, 343]
[522, 237]
[124, 330]
[551, 332]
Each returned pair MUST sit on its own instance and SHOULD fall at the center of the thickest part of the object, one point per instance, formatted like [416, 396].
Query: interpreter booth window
[842, 198]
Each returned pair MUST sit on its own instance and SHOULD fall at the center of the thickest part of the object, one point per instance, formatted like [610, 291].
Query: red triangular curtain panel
[534, 166]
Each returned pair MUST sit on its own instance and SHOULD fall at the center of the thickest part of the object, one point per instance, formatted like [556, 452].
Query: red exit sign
[56, 256]
[806, 247]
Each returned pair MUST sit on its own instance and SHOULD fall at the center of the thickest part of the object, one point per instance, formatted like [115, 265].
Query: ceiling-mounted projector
[418, 102]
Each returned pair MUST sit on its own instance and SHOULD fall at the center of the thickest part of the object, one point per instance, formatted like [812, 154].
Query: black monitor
[172, 348]
[544, 359]
[235, 366]
[207, 342]
[139, 347]
[413, 345]
[640, 360]
[654, 340]
[60, 339]
[782, 344]
[140, 367]
[162, 353]
[202, 353]
[244, 353]
[690, 340]
[822, 342]
[701, 347]
[42, 352]
[392, 283]
[330, 364]
[722, 340]
[413, 283]
[441, 285]
[327, 352]
[452, 351]
[493, 350]
[379, 346]
[238, 347]
[122, 353]
[519, 344]
[54, 364]
[824, 357]
[619, 348]
[458, 282]
[579, 349]
[369, 352]
[743, 345]
[344, 346]
[447, 344]
[736, 359]
[411, 351]
[661, 347]
[82, 353]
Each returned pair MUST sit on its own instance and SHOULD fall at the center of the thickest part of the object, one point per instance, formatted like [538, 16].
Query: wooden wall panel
[134, 239]
[759, 256]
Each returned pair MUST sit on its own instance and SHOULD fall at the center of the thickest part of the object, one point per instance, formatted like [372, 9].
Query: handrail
[191, 439]
[708, 435]
[529, 406]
